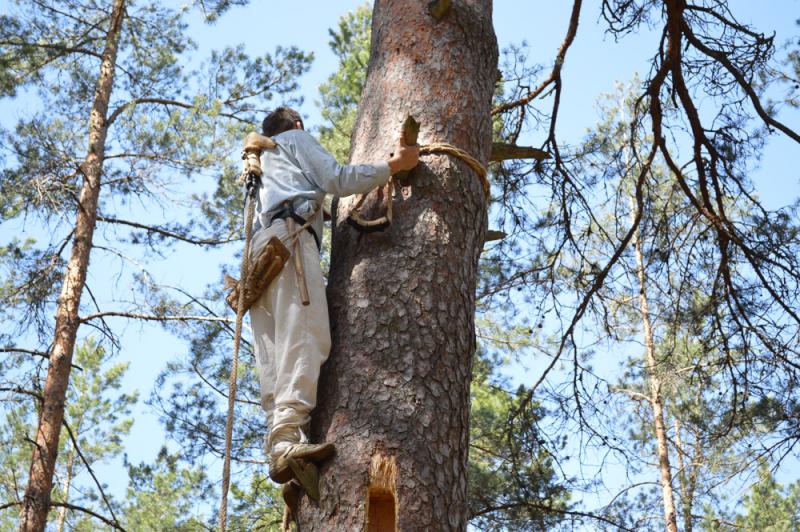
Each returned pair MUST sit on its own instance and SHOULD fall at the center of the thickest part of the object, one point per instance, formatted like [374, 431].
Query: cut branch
[503, 152]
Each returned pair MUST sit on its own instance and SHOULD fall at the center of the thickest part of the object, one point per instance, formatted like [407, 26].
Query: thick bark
[394, 395]
[37, 495]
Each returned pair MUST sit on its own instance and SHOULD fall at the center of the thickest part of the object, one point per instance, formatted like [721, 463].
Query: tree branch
[541, 507]
[25, 351]
[102, 518]
[91, 472]
[502, 152]
[9, 505]
[49, 46]
[165, 232]
[23, 391]
[555, 74]
[152, 317]
[41, 354]
[747, 87]
[163, 101]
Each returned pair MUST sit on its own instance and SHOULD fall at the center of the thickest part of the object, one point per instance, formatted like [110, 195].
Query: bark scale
[45, 451]
[394, 395]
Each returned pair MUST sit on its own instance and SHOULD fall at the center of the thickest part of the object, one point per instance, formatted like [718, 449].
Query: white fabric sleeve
[332, 177]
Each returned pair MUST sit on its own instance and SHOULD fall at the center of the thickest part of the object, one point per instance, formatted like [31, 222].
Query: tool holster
[265, 268]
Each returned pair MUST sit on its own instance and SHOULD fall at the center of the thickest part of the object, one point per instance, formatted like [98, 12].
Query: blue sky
[594, 63]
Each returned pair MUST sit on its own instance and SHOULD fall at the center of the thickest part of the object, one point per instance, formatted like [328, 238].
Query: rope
[237, 338]
[359, 222]
[472, 162]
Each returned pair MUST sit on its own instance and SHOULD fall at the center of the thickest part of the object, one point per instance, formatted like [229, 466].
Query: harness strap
[287, 211]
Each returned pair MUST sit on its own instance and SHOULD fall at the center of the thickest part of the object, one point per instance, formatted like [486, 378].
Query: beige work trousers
[291, 340]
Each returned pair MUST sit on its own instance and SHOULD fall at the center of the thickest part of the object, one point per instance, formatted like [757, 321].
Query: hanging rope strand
[237, 338]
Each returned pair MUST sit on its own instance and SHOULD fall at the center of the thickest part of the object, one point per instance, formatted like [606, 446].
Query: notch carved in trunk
[382, 494]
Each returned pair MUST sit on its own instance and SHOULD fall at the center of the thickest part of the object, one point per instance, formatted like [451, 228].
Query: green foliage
[99, 415]
[96, 411]
[258, 507]
[165, 496]
[14, 456]
[767, 507]
[770, 507]
[30, 280]
[512, 482]
[341, 92]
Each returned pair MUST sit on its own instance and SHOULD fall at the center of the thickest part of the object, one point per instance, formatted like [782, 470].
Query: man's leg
[262, 321]
[302, 344]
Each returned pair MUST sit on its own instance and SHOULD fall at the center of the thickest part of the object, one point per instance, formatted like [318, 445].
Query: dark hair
[280, 120]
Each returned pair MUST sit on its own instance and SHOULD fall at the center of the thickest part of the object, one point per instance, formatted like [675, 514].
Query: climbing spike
[307, 474]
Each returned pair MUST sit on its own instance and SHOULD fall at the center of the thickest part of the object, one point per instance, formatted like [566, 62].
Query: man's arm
[344, 180]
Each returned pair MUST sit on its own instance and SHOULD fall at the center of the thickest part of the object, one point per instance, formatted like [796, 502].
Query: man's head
[280, 120]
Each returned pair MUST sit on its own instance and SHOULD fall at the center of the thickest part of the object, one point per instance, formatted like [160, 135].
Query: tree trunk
[394, 395]
[651, 366]
[37, 495]
[62, 512]
[687, 486]
[656, 400]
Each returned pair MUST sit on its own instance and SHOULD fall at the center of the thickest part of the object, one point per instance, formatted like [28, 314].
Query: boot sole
[281, 473]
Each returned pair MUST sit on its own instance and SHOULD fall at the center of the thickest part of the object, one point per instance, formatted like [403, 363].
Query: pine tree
[97, 418]
[165, 496]
[94, 423]
[118, 111]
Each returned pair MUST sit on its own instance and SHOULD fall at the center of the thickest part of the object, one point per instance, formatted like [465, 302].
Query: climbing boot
[280, 467]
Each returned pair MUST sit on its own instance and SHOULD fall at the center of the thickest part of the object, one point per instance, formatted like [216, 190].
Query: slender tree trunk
[37, 495]
[62, 512]
[687, 488]
[656, 400]
[394, 395]
[651, 366]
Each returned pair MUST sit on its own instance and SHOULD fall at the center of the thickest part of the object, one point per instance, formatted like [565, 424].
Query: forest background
[135, 446]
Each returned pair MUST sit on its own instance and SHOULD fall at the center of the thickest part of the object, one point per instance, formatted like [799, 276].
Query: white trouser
[291, 340]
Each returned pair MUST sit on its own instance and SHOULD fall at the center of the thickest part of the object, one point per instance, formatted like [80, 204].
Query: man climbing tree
[290, 319]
